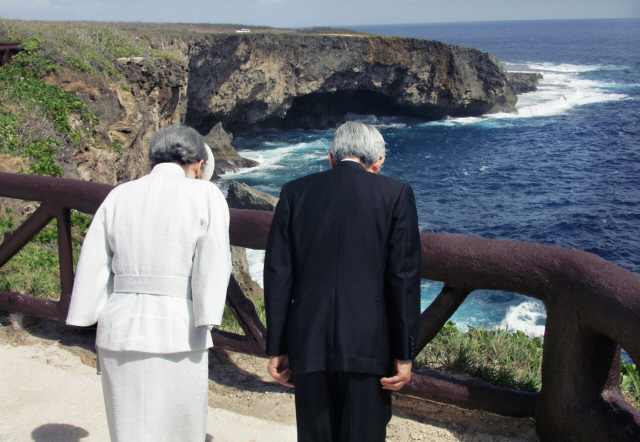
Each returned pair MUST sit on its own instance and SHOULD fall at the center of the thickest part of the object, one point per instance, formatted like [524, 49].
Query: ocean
[564, 171]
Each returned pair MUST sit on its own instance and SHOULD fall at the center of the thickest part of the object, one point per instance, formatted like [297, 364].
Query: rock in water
[227, 159]
[523, 82]
[242, 196]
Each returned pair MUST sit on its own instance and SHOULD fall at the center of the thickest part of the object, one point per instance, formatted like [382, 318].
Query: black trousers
[341, 407]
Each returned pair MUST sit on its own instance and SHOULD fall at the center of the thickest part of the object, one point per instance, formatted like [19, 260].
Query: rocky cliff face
[222, 83]
[523, 82]
[129, 116]
[298, 81]
[227, 159]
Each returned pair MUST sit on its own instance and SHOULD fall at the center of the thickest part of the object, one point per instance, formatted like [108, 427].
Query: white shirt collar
[169, 169]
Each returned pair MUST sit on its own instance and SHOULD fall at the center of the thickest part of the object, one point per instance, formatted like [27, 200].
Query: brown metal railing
[593, 307]
[7, 50]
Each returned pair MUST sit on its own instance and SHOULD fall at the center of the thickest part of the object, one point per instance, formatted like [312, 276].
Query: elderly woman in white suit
[153, 273]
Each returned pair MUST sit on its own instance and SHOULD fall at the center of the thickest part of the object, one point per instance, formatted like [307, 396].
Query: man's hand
[401, 376]
[279, 370]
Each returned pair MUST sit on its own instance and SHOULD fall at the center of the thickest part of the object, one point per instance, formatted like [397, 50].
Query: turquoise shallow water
[565, 171]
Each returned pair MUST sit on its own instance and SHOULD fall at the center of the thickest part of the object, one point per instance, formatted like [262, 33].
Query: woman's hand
[279, 370]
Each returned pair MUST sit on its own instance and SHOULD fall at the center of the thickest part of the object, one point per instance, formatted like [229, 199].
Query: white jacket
[153, 243]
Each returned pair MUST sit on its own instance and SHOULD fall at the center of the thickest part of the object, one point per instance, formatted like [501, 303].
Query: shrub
[230, 324]
[35, 113]
[630, 384]
[35, 270]
[88, 47]
[510, 360]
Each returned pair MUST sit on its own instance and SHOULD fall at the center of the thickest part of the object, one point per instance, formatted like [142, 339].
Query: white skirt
[155, 397]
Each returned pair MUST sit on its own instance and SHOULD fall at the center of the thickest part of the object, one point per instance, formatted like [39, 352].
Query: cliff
[523, 82]
[223, 84]
[304, 81]
[129, 115]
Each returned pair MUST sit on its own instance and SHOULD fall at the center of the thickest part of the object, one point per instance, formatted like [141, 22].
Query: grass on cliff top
[36, 117]
[78, 45]
[84, 35]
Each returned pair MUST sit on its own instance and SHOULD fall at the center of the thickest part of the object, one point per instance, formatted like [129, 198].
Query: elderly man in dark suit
[342, 291]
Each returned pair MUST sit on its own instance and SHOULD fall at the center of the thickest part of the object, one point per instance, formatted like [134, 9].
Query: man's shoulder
[307, 180]
[370, 179]
[388, 181]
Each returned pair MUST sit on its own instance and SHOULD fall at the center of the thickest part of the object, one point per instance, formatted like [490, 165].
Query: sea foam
[256, 265]
[528, 317]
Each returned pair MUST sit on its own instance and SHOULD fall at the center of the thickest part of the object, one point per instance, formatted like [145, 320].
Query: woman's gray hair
[358, 140]
[179, 144]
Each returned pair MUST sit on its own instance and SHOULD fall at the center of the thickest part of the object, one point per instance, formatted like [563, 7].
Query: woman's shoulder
[204, 190]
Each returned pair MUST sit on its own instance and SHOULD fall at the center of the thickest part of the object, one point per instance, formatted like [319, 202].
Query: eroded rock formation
[221, 83]
[523, 82]
[243, 196]
[227, 159]
[129, 116]
[304, 81]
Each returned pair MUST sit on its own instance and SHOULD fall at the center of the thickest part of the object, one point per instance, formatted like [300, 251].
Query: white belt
[175, 286]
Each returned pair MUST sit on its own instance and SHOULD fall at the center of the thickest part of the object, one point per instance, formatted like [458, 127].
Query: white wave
[256, 265]
[528, 316]
[551, 67]
[455, 121]
[562, 88]
[272, 157]
[379, 122]
[557, 93]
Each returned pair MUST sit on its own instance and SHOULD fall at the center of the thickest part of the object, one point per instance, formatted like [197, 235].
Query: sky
[308, 13]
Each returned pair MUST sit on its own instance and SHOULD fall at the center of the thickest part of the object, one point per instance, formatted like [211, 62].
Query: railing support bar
[65, 253]
[15, 240]
[438, 313]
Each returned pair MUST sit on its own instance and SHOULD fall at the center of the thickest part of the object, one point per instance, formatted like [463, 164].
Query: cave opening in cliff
[328, 110]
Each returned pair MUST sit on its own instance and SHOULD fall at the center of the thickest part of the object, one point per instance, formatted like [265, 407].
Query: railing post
[65, 254]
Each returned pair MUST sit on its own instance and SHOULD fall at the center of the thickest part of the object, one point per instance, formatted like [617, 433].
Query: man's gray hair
[180, 144]
[358, 140]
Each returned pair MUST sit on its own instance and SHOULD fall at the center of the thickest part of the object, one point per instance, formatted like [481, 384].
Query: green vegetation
[505, 359]
[230, 324]
[34, 115]
[630, 384]
[84, 46]
[117, 146]
[35, 270]
[510, 360]
[332, 31]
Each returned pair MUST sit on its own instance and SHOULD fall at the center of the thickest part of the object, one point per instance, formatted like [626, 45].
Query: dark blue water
[564, 172]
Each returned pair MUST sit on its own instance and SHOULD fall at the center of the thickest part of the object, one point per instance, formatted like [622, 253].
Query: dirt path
[239, 384]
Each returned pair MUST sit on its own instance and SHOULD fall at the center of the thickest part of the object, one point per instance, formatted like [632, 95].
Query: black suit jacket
[342, 272]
